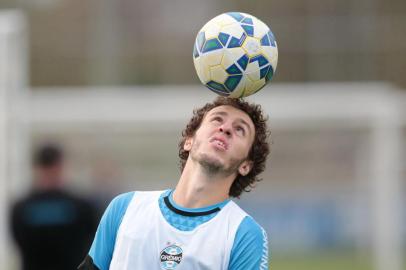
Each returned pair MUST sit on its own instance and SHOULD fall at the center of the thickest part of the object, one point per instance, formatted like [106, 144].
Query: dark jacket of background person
[52, 227]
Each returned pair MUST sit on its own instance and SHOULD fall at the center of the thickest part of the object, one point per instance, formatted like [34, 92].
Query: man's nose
[226, 129]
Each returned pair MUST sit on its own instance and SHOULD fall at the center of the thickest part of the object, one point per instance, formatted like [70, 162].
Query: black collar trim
[188, 214]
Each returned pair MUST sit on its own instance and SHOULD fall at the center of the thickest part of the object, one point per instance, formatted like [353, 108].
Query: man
[196, 225]
[51, 227]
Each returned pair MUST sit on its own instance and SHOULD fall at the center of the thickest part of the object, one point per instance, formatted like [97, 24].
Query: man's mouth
[219, 143]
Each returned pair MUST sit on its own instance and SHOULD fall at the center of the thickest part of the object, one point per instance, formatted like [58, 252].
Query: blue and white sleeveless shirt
[148, 230]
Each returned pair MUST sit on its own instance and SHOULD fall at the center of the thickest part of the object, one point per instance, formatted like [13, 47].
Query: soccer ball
[235, 54]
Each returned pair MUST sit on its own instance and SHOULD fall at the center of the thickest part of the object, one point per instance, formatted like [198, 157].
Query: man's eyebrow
[220, 113]
[245, 123]
[242, 121]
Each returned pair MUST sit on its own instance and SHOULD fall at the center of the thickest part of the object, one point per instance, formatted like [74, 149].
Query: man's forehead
[228, 109]
[231, 111]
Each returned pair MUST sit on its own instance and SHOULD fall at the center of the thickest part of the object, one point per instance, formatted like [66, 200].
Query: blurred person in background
[52, 227]
[195, 226]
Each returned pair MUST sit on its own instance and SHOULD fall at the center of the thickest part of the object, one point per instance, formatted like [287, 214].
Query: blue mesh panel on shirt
[185, 223]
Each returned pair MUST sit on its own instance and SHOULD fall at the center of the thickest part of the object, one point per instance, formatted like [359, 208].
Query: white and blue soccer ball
[235, 54]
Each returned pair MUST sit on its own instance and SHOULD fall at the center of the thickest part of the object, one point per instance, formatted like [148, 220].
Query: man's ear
[187, 146]
[245, 167]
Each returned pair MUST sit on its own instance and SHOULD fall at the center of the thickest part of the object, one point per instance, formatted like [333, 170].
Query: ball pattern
[235, 54]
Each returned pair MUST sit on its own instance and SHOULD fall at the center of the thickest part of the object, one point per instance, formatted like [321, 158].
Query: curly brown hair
[259, 150]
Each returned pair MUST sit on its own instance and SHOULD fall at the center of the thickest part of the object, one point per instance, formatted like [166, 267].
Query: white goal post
[13, 82]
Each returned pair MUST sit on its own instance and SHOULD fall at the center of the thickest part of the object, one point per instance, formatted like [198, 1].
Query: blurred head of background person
[51, 226]
[48, 165]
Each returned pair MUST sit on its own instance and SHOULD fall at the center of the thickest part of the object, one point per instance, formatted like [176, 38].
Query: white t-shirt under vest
[145, 240]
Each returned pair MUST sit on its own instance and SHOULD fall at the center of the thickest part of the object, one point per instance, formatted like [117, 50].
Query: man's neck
[198, 189]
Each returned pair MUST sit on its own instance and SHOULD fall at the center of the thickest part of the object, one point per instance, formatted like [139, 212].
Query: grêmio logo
[171, 257]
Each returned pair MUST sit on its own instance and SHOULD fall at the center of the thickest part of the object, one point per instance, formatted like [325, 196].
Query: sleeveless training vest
[146, 241]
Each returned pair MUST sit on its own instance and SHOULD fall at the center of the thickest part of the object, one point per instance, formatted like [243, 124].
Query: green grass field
[321, 261]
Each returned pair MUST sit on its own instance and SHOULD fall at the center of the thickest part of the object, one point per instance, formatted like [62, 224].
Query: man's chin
[210, 163]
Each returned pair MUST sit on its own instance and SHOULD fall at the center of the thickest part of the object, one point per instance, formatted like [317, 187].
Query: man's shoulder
[250, 227]
[124, 196]
[247, 221]
[118, 207]
[122, 201]
[250, 249]
[40, 198]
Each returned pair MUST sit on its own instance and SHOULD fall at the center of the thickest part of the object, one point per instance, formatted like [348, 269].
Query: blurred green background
[322, 260]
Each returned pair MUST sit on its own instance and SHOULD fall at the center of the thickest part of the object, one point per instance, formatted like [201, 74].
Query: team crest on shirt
[171, 256]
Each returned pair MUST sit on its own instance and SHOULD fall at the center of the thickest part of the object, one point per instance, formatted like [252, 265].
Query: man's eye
[240, 130]
[217, 119]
